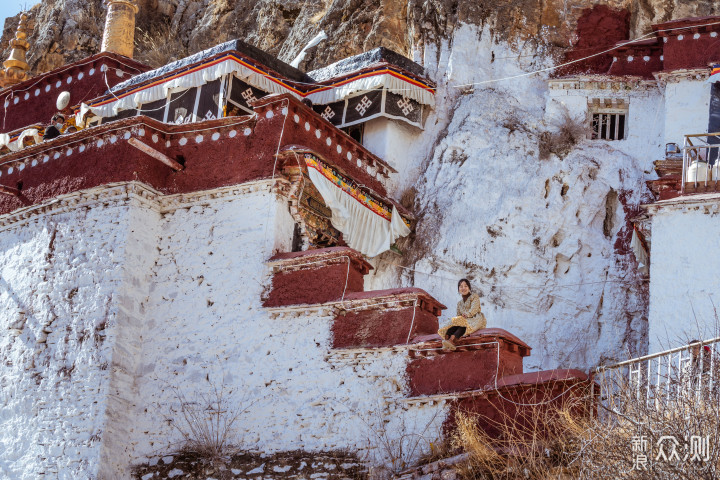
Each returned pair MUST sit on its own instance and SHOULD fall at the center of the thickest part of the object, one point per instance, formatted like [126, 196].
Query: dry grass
[208, 424]
[557, 443]
[566, 132]
[537, 442]
[159, 45]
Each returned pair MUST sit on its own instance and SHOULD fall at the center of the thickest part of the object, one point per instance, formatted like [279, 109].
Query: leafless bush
[159, 45]
[566, 132]
[393, 446]
[537, 440]
[207, 423]
[633, 437]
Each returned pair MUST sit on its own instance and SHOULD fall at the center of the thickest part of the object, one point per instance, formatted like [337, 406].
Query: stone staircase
[484, 375]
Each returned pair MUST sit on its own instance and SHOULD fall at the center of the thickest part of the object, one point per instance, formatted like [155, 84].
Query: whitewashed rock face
[536, 237]
[684, 287]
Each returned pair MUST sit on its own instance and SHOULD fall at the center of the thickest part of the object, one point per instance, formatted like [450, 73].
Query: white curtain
[362, 229]
[208, 74]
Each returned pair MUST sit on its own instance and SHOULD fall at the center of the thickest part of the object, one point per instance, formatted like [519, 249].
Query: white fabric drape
[393, 84]
[193, 79]
[208, 74]
[641, 255]
[362, 229]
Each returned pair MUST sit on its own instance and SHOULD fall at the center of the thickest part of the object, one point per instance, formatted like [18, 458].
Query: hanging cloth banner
[639, 248]
[714, 74]
[367, 225]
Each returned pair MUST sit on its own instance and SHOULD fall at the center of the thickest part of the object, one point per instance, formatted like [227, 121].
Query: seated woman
[469, 317]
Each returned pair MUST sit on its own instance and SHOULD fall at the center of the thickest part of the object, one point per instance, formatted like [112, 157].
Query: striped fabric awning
[714, 74]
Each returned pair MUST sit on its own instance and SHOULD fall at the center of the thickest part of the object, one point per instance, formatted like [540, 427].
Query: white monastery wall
[685, 288]
[61, 281]
[394, 141]
[645, 122]
[205, 329]
[687, 103]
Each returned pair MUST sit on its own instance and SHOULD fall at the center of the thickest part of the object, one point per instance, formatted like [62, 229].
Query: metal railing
[656, 380]
[700, 160]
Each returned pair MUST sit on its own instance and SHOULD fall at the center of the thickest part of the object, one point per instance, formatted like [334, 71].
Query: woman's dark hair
[466, 282]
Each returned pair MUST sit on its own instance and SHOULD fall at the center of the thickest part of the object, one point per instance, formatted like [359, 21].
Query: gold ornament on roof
[16, 67]
[119, 35]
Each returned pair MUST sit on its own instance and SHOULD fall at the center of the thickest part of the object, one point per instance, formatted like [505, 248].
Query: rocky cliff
[544, 240]
[67, 30]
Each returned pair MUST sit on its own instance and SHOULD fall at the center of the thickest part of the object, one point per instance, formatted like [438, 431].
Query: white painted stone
[687, 104]
[684, 284]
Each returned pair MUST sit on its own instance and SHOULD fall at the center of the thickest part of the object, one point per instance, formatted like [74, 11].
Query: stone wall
[684, 288]
[127, 306]
[62, 278]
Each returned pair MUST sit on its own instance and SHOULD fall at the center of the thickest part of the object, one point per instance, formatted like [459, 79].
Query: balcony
[700, 166]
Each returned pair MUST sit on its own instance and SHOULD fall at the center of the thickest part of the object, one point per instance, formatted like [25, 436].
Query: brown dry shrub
[159, 45]
[602, 446]
[567, 132]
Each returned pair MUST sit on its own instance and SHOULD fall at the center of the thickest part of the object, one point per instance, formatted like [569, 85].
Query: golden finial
[16, 66]
[119, 35]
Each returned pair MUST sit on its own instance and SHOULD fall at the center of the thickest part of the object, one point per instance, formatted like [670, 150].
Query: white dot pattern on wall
[630, 58]
[696, 36]
[7, 102]
[113, 139]
[91, 72]
[27, 95]
[680, 37]
[349, 156]
[33, 163]
[307, 126]
[126, 135]
[69, 152]
[47, 88]
[284, 111]
[10, 170]
[155, 138]
[69, 80]
[183, 141]
[81, 148]
[141, 132]
[296, 118]
[328, 141]
[80, 75]
[103, 68]
[119, 73]
[46, 159]
[713, 34]
[247, 132]
[37, 92]
[215, 136]
[646, 58]
[16, 100]
[57, 155]
[269, 114]
[318, 133]
[199, 139]
[232, 133]
[359, 162]
[21, 167]
[339, 149]
[100, 142]
[167, 143]
[57, 84]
